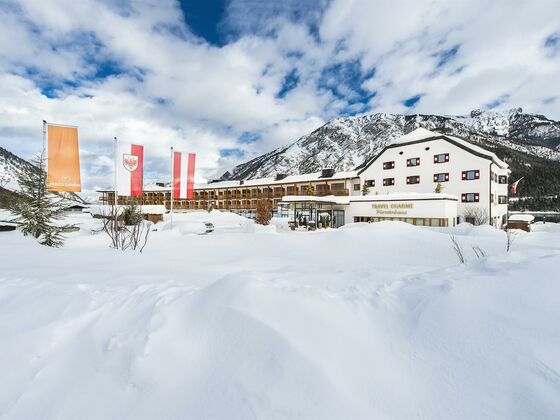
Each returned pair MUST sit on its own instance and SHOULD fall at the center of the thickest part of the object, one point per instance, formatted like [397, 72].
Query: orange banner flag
[63, 159]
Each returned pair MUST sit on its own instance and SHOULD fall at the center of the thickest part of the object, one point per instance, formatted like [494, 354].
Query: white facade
[419, 161]
[419, 209]
[430, 209]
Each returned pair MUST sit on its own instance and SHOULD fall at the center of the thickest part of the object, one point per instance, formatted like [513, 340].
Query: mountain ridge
[345, 143]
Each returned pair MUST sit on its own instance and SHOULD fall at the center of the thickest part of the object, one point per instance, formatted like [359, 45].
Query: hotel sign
[392, 208]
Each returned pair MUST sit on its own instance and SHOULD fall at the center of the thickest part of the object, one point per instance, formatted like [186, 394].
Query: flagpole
[45, 145]
[172, 186]
[115, 202]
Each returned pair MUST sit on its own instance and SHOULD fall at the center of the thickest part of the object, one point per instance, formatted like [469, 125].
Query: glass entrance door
[338, 218]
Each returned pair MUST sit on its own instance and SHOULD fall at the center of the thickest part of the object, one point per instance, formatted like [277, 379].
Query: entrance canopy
[320, 211]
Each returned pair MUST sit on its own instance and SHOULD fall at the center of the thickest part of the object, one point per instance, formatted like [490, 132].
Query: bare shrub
[510, 237]
[458, 249]
[478, 251]
[126, 228]
[476, 215]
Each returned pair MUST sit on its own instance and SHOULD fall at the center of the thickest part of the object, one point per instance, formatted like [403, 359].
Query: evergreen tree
[365, 188]
[439, 188]
[36, 209]
[310, 190]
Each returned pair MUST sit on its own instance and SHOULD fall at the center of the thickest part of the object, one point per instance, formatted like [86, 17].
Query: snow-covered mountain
[345, 143]
[12, 165]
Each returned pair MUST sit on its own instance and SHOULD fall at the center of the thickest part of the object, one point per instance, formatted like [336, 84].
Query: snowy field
[368, 321]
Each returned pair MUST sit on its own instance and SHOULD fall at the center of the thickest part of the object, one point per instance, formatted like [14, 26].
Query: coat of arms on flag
[130, 174]
[130, 162]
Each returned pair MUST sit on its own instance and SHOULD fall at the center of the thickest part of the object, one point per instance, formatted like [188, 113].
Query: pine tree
[36, 209]
[439, 188]
[365, 188]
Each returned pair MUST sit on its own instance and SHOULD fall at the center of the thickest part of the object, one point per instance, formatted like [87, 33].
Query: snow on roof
[529, 218]
[418, 134]
[328, 199]
[315, 176]
[422, 133]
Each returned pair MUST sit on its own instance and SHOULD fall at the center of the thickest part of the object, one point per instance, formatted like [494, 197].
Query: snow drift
[369, 321]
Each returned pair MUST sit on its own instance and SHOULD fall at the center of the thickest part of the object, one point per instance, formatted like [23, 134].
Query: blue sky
[233, 79]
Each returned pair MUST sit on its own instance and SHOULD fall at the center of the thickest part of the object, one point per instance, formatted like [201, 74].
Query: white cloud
[176, 89]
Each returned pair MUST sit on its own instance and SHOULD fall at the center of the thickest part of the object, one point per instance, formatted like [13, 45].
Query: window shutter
[477, 174]
[417, 161]
[435, 159]
[447, 177]
[463, 197]
[408, 180]
[435, 177]
[476, 196]
[464, 175]
[447, 157]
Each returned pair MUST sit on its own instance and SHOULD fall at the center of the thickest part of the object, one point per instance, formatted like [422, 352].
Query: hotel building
[471, 183]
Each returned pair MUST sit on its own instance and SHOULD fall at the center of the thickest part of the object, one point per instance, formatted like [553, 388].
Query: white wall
[459, 160]
[424, 208]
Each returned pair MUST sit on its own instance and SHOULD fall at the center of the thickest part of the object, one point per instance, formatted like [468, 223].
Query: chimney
[327, 173]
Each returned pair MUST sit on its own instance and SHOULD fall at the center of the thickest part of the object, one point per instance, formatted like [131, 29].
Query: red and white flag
[183, 175]
[129, 169]
[514, 186]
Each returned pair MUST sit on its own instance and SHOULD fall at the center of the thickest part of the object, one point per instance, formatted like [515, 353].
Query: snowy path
[371, 321]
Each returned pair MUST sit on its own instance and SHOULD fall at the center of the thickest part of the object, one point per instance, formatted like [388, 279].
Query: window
[370, 182]
[470, 197]
[502, 179]
[470, 175]
[321, 187]
[389, 165]
[413, 179]
[356, 187]
[502, 199]
[441, 158]
[388, 181]
[443, 177]
[337, 186]
[413, 162]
